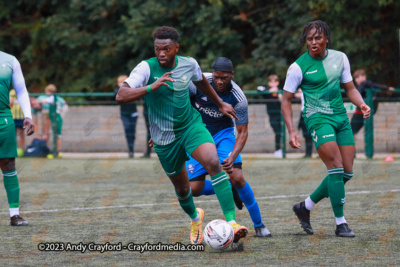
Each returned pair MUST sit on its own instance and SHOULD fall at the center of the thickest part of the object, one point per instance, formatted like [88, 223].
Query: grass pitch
[133, 201]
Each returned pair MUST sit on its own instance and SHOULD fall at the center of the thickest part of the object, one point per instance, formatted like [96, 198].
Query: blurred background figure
[274, 110]
[360, 77]
[302, 126]
[129, 116]
[60, 108]
[146, 118]
[18, 117]
[43, 132]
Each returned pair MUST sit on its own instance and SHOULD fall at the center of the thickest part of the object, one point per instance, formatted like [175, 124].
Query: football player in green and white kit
[176, 127]
[319, 73]
[11, 73]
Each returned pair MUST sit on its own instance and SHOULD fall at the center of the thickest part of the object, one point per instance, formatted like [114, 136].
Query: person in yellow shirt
[18, 117]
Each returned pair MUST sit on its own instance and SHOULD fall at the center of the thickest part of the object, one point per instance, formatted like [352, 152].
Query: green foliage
[85, 45]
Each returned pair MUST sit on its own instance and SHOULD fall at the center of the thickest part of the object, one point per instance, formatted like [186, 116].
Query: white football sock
[309, 203]
[197, 218]
[14, 211]
[340, 220]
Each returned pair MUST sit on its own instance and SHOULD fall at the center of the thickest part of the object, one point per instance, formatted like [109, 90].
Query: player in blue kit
[222, 130]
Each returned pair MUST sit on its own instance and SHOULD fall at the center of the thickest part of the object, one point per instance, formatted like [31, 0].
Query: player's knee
[197, 188]
[196, 191]
[7, 164]
[336, 163]
[238, 182]
[213, 166]
[182, 190]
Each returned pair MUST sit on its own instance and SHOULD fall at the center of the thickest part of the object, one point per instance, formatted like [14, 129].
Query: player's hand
[28, 125]
[228, 164]
[294, 140]
[366, 110]
[391, 88]
[162, 81]
[150, 143]
[228, 110]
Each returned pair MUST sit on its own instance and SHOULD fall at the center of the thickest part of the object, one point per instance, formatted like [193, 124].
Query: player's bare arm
[29, 126]
[127, 94]
[205, 87]
[356, 98]
[287, 114]
[240, 142]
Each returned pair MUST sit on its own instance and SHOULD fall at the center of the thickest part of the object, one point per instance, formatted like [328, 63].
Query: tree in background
[84, 45]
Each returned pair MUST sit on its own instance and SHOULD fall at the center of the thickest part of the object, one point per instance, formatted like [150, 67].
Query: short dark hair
[166, 32]
[359, 72]
[320, 26]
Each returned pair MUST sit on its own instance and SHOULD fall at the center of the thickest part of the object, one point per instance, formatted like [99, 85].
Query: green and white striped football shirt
[169, 108]
[320, 79]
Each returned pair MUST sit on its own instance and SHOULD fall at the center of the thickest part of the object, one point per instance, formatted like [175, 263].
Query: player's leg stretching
[200, 186]
[185, 198]
[247, 196]
[339, 161]
[336, 149]
[11, 185]
[206, 155]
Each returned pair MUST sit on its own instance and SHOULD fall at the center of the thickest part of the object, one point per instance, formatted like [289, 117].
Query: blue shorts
[225, 141]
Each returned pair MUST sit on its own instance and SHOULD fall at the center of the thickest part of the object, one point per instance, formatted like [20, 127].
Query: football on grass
[218, 234]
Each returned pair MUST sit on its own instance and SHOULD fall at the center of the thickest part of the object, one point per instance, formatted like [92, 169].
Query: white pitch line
[314, 160]
[200, 201]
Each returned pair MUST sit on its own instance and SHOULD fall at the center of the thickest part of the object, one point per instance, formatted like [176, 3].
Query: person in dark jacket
[360, 77]
[129, 116]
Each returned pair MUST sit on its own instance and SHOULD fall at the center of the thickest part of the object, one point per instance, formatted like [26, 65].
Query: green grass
[53, 188]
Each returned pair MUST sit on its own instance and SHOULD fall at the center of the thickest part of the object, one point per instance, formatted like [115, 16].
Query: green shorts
[59, 124]
[8, 138]
[324, 128]
[173, 155]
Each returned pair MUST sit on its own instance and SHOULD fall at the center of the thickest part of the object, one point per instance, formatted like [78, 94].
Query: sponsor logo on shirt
[208, 111]
[204, 98]
[311, 72]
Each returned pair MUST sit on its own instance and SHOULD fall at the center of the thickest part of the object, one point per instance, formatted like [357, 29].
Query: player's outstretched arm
[205, 87]
[127, 94]
[287, 114]
[18, 82]
[356, 98]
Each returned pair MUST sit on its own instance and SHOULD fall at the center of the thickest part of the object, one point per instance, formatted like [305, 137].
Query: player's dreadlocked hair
[166, 32]
[320, 26]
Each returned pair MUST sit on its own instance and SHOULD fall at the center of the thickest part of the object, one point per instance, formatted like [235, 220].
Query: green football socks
[223, 191]
[347, 176]
[336, 190]
[187, 204]
[322, 190]
[12, 188]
